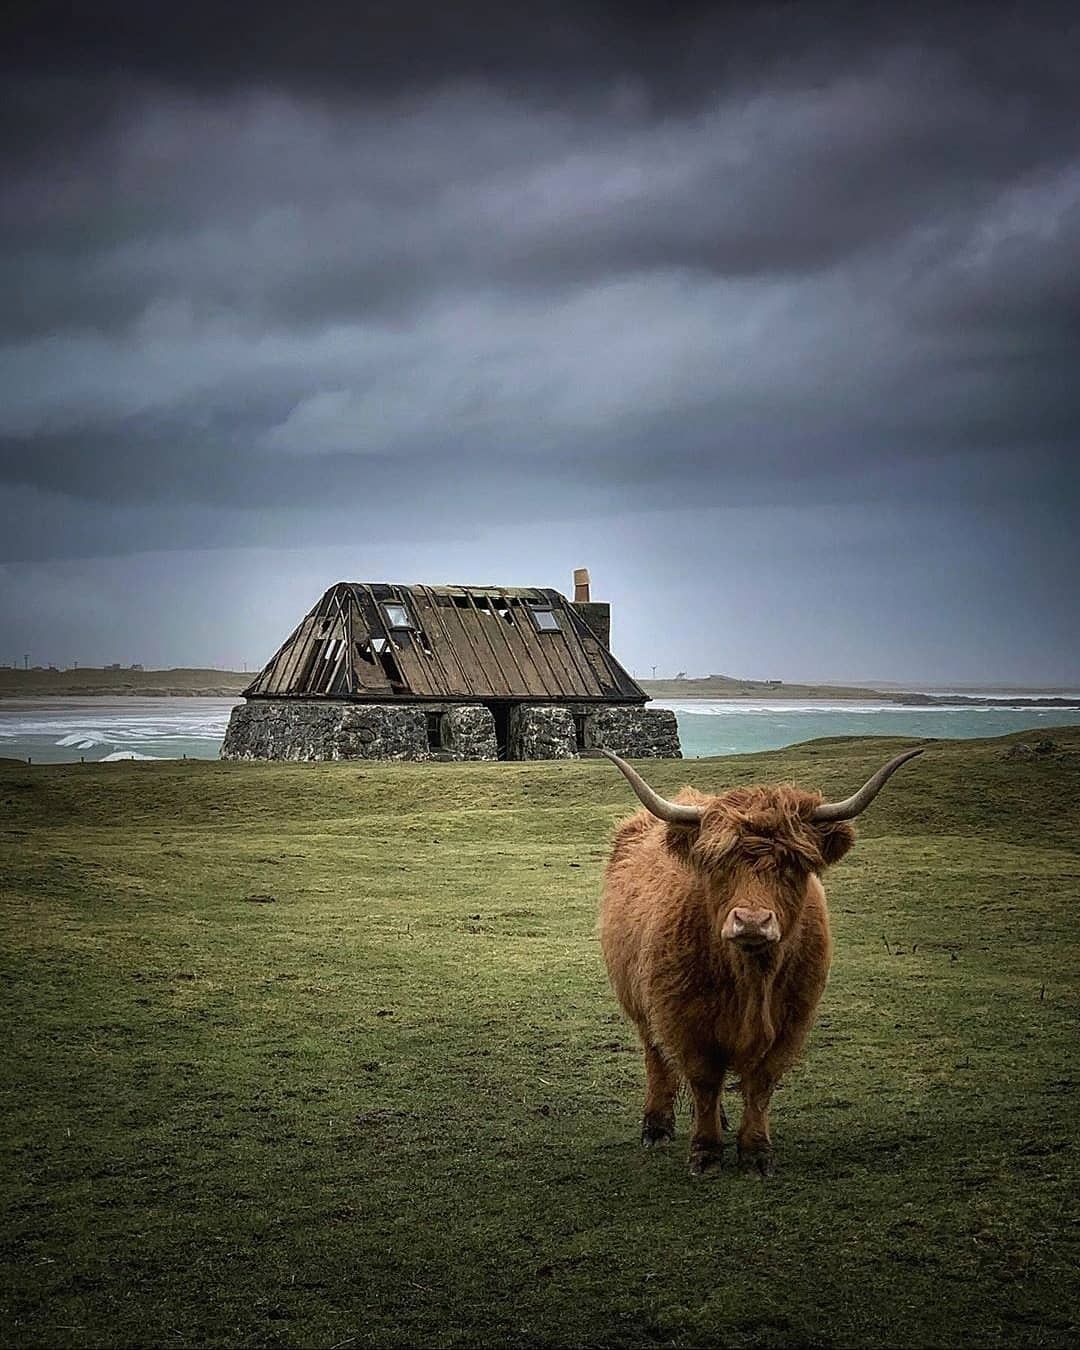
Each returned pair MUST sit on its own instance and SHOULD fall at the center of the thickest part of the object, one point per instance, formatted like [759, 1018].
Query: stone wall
[310, 730]
[280, 729]
[635, 733]
[468, 732]
[542, 731]
[547, 731]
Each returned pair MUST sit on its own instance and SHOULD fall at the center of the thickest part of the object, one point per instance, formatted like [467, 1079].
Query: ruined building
[377, 671]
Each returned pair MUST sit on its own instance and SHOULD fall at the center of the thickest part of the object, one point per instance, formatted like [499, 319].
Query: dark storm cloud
[258, 260]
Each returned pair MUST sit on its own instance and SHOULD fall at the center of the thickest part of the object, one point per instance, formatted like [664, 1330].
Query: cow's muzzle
[751, 927]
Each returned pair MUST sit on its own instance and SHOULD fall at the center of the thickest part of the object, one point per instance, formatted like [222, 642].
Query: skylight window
[546, 620]
[398, 616]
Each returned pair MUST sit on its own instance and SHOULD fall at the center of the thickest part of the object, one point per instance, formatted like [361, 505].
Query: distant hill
[728, 686]
[90, 680]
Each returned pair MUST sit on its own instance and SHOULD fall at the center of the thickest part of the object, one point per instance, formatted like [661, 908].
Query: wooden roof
[465, 643]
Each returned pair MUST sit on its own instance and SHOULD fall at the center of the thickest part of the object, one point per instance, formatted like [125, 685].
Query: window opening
[398, 616]
[434, 731]
[545, 619]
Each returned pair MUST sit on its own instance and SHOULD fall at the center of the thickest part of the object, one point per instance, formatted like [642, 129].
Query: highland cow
[715, 931]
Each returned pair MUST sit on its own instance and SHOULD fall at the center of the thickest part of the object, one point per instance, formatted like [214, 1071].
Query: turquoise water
[65, 730]
[54, 731]
[723, 728]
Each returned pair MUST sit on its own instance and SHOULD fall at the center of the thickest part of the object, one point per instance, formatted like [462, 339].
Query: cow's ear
[680, 840]
[835, 840]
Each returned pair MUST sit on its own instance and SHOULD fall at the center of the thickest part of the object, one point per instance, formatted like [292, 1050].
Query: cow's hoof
[657, 1130]
[706, 1160]
[757, 1160]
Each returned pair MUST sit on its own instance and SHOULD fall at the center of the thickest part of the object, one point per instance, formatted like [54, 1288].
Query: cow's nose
[751, 918]
[752, 925]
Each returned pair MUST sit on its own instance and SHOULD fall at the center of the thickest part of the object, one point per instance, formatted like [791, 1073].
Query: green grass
[397, 1105]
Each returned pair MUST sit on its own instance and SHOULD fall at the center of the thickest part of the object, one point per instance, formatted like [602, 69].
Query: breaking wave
[106, 729]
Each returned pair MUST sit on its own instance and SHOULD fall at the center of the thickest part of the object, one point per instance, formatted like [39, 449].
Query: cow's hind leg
[661, 1085]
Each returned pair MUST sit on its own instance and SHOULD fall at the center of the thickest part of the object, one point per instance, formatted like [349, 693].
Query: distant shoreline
[90, 682]
[720, 689]
[875, 696]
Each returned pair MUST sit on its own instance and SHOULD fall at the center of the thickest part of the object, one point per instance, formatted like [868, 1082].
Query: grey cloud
[558, 268]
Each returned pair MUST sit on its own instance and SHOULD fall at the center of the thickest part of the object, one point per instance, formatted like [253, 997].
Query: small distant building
[383, 671]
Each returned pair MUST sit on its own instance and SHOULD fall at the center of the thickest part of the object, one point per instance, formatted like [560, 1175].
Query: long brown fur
[702, 1005]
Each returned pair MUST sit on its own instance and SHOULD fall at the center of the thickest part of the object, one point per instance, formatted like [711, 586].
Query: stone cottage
[380, 671]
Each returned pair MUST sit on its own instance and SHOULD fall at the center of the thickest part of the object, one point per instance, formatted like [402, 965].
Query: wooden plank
[609, 672]
[424, 672]
[554, 647]
[405, 651]
[269, 672]
[526, 678]
[486, 619]
[550, 675]
[368, 676]
[428, 611]
[583, 673]
[290, 668]
[471, 663]
[376, 626]
[537, 680]
[331, 679]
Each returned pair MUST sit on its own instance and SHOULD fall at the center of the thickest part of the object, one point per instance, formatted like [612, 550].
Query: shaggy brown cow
[716, 936]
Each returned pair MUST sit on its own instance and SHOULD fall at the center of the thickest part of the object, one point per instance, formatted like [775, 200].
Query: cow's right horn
[675, 813]
[850, 807]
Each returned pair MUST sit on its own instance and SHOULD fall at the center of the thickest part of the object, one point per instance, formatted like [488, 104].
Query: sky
[768, 315]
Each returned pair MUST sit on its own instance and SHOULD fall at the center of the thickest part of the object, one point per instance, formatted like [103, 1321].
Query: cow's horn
[850, 807]
[675, 813]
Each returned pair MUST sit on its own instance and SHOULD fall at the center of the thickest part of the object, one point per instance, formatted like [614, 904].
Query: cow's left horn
[675, 813]
[850, 807]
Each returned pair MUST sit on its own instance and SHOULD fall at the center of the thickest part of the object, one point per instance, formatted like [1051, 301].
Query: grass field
[324, 1055]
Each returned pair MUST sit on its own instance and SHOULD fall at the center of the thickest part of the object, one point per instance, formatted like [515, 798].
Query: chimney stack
[596, 614]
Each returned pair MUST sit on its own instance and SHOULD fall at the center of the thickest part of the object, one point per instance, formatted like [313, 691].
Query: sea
[67, 730]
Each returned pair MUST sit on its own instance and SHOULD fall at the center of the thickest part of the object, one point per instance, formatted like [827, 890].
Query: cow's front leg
[754, 1140]
[661, 1085]
[707, 1141]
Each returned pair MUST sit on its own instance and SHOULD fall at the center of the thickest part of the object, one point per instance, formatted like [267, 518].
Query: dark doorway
[501, 713]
